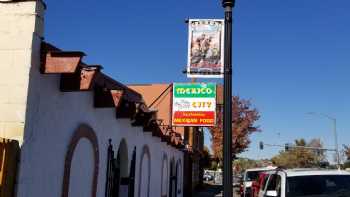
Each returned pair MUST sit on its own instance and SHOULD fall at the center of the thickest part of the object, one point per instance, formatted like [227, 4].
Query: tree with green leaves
[347, 152]
[242, 164]
[299, 157]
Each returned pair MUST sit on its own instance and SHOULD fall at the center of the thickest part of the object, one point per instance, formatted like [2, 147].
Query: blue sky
[290, 57]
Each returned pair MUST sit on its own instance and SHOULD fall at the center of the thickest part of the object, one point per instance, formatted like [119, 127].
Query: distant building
[81, 132]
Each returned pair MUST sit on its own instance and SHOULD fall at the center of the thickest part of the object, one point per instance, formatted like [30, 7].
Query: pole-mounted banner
[205, 48]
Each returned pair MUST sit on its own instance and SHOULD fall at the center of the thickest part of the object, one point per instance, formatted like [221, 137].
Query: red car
[258, 184]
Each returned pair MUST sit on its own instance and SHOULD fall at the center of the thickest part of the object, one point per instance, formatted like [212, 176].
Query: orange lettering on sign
[201, 104]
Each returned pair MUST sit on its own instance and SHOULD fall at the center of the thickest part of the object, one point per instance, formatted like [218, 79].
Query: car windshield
[318, 186]
[252, 175]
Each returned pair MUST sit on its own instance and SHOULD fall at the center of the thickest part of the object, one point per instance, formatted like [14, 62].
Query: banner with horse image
[205, 48]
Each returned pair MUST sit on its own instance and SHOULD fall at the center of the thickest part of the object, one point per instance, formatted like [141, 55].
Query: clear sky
[290, 57]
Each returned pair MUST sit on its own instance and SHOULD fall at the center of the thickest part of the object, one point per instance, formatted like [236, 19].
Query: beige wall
[21, 24]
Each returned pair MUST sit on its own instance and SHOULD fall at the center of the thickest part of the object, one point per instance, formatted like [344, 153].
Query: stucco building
[81, 132]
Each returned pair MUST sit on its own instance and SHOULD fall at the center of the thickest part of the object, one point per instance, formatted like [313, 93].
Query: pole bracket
[228, 71]
[187, 20]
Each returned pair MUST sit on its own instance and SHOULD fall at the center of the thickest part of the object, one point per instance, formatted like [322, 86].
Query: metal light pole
[334, 121]
[227, 137]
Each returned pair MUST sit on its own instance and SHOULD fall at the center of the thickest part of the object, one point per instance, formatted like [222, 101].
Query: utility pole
[336, 140]
[227, 137]
[334, 121]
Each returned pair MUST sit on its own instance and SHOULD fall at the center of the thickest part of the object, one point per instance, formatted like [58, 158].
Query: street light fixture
[334, 120]
[227, 119]
[229, 3]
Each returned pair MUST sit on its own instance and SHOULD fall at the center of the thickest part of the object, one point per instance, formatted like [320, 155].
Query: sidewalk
[210, 190]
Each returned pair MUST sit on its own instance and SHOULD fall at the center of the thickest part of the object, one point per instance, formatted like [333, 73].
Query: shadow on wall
[9, 157]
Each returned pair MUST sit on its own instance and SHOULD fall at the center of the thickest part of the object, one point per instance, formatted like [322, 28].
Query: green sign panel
[194, 90]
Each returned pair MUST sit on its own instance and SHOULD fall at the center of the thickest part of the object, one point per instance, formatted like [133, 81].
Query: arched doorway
[179, 176]
[164, 176]
[132, 174]
[83, 138]
[173, 179]
[117, 184]
[145, 173]
[122, 164]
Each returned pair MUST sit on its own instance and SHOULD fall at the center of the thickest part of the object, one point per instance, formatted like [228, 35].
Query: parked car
[208, 177]
[218, 178]
[256, 185]
[306, 183]
[249, 176]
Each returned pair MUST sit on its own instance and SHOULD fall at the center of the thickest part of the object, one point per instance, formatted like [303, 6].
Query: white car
[251, 175]
[208, 177]
[306, 183]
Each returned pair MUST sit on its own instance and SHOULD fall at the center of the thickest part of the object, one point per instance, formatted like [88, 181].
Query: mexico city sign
[205, 48]
[194, 104]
